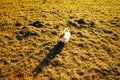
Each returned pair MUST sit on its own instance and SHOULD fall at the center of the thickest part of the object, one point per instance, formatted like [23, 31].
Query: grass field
[30, 47]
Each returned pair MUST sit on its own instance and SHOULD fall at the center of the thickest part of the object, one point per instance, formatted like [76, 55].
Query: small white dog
[65, 35]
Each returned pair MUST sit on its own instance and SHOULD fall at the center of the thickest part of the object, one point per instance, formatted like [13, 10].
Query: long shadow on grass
[53, 52]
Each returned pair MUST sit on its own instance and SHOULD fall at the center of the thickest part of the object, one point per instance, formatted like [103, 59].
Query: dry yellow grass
[29, 46]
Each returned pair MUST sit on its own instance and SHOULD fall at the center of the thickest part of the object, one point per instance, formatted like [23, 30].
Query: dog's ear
[67, 30]
[62, 35]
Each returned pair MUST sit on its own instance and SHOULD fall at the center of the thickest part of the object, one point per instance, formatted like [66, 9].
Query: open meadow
[30, 47]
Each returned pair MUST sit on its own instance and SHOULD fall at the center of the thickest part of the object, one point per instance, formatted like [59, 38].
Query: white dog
[65, 35]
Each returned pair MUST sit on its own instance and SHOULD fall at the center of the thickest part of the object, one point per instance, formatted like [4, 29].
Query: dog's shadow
[53, 52]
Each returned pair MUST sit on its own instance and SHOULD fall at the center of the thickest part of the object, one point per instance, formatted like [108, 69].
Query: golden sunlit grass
[29, 31]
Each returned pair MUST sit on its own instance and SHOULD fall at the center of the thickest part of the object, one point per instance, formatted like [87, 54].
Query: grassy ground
[30, 48]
